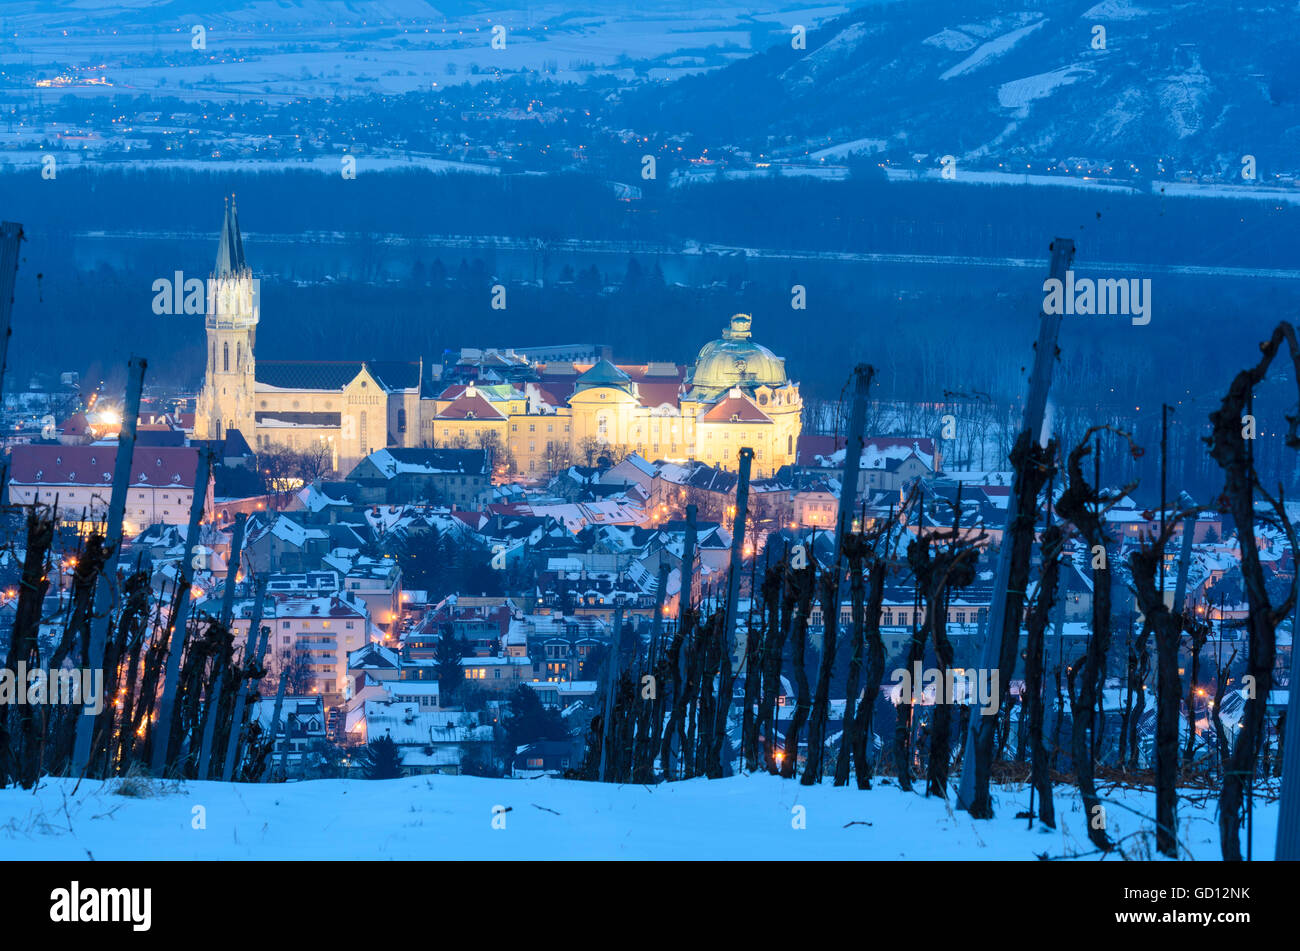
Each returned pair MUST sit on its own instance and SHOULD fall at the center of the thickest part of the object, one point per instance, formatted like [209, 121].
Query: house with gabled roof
[459, 477]
[428, 741]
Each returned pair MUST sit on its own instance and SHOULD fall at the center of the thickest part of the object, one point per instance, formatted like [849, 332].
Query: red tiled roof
[75, 425]
[93, 465]
[463, 406]
[561, 388]
[656, 394]
[742, 407]
[546, 396]
[642, 372]
[655, 388]
[814, 444]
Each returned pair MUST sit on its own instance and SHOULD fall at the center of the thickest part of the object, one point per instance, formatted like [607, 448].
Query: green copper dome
[603, 373]
[735, 360]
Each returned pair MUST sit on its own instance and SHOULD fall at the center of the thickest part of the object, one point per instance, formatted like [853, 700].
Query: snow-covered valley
[459, 817]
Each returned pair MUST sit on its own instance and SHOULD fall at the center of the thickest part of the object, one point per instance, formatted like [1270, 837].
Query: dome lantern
[734, 360]
[739, 329]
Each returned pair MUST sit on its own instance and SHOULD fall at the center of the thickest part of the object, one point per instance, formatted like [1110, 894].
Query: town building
[80, 480]
[456, 477]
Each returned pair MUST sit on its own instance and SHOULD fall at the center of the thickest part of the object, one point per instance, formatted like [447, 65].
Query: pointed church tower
[233, 308]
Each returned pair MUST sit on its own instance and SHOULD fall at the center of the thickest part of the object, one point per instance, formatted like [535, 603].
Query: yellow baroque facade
[736, 394]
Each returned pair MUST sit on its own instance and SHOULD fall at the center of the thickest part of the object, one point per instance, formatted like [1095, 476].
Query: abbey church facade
[736, 393]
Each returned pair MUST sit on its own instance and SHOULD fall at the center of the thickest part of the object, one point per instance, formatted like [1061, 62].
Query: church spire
[230, 252]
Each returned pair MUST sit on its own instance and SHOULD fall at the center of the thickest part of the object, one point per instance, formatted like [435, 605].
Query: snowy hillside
[1116, 83]
[321, 48]
[451, 817]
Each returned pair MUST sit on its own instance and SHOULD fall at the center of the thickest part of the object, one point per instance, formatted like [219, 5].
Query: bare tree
[558, 455]
[803, 583]
[1228, 447]
[1031, 463]
[1198, 632]
[278, 467]
[1167, 626]
[1085, 506]
[499, 454]
[588, 448]
[951, 566]
[1040, 613]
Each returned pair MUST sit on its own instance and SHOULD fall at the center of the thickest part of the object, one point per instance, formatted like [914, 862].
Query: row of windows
[532, 428]
[49, 494]
[726, 454]
[903, 618]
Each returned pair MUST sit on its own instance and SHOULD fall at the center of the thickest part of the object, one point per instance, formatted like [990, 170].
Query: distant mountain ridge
[1016, 83]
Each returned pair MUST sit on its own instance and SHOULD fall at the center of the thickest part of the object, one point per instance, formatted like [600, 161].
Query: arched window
[225, 356]
[602, 427]
[789, 444]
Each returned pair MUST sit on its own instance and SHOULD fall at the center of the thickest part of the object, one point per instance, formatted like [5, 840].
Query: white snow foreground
[461, 817]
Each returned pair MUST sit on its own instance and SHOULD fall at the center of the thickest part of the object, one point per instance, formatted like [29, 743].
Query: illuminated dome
[735, 360]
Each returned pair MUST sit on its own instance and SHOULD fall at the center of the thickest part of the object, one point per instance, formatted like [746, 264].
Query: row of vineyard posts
[667, 697]
[178, 696]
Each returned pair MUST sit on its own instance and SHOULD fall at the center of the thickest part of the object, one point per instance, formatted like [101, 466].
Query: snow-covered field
[991, 50]
[1019, 93]
[329, 47]
[452, 817]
